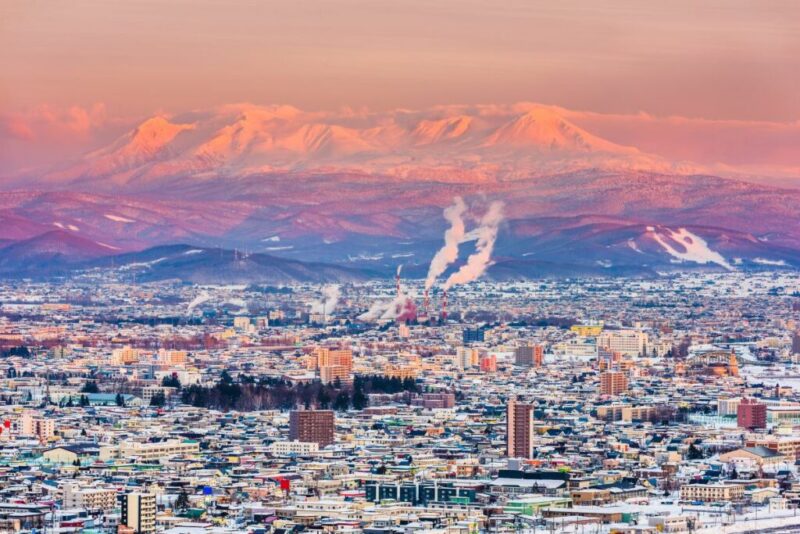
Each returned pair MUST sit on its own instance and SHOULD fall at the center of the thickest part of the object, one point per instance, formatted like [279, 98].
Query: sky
[76, 72]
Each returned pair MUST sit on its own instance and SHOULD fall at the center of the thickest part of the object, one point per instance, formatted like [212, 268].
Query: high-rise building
[314, 426]
[519, 429]
[39, 426]
[139, 511]
[473, 335]
[327, 357]
[628, 342]
[613, 383]
[531, 355]
[751, 414]
[489, 364]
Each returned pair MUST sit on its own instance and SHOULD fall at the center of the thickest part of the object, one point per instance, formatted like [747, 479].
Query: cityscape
[447, 267]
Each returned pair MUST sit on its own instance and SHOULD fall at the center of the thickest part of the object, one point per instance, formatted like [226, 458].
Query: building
[587, 330]
[519, 430]
[150, 451]
[628, 342]
[285, 448]
[489, 364]
[761, 456]
[138, 511]
[40, 427]
[125, 356]
[613, 383]
[328, 357]
[751, 414]
[436, 401]
[331, 373]
[712, 492]
[315, 426]
[421, 492]
[473, 335]
[92, 499]
[529, 355]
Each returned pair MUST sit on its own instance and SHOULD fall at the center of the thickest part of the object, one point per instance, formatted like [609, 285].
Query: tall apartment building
[628, 342]
[751, 414]
[125, 356]
[613, 383]
[90, 498]
[519, 430]
[40, 427]
[333, 364]
[138, 511]
[326, 357]
[315, 426]
[531, 355]
[489, 364]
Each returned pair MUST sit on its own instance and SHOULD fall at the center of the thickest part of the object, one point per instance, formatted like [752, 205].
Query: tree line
[270, 393]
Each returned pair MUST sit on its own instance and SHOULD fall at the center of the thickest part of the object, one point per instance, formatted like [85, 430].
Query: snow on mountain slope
[686, 246]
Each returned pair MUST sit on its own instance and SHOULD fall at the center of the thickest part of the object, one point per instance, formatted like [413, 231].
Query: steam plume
[328, 302]
[452, 237]
[197, 301]
[478, 262]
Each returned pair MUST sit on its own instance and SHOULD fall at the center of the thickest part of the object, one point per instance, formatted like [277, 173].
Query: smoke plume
[197, 301]
[452, 237]
[480, 260]
[328, 302]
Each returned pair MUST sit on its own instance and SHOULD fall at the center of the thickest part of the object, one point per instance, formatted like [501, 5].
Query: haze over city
[449, 267]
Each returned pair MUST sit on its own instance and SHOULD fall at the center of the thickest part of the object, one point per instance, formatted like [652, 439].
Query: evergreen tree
[90, 387]
[342, 402]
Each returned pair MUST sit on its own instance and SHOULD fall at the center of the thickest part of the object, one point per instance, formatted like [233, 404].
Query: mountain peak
[544, 128]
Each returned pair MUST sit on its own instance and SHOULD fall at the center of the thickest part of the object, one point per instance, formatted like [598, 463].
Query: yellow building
[587, 330]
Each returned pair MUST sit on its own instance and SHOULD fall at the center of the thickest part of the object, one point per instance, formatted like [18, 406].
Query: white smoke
[386, 310]
[197, 301]
[481, 259]
[399, 268]
[452, 237]
[378, 308]
[236, 301]
[328, 302]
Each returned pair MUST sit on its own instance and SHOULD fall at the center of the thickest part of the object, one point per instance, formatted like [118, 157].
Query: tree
[84, 400]
[158, 400]
[694, 453]
[323, 398]
[90, 387]
[342, 402]
[119, 399]
[182, 502]
[359, 399]
[171, 381]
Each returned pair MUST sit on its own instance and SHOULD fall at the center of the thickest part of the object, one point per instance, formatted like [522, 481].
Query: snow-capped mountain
[243, 140]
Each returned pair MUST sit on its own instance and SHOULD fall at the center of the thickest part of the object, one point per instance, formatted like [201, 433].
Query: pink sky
[711, 81]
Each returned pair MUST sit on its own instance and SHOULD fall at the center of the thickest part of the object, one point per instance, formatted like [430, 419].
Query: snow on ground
[764, 261]
[632, 244]
[142, 264]
[697, 249]
[117, 218]
[193, 251]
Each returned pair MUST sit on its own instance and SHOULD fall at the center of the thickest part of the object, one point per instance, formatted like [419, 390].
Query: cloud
[47, 122]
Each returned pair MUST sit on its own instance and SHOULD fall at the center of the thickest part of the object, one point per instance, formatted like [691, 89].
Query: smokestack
[444, 306]
[427, 304]
[397, 281]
